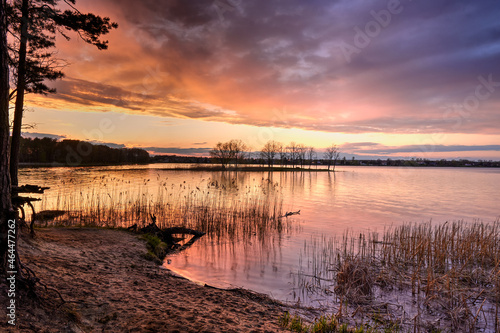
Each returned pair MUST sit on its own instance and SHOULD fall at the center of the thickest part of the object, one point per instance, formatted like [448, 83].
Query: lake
[274, 260]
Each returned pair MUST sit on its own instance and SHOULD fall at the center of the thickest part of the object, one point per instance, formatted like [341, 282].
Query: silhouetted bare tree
[311, 155]
[239, 151]
[221, 154]
[332, 155]
[270, 151]
[283, 155]
[231, 151]
[293, 152]
[302, 152]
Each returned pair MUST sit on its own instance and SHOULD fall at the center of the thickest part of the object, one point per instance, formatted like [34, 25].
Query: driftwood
[291, 213]
[166, 235]
[133, 228]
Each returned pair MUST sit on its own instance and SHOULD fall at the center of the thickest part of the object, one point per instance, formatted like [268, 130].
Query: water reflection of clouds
[354, 198]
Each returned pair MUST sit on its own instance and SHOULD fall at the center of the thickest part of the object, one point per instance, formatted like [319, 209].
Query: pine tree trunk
[21, 86]
[5, 185]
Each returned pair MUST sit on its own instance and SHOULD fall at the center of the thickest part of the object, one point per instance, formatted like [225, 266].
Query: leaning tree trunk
[21, 86]
[5, 185]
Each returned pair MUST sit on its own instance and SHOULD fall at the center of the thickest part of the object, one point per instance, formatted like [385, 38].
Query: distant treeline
[342, 161]
[179, 159]
[75, 152]
[419, 162]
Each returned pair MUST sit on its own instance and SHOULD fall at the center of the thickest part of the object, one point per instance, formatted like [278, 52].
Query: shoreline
[107, 284]
[218, 168]
[193, 167]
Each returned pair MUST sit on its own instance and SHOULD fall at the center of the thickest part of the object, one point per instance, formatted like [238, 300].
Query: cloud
[178, 151]
[238, 61]
[33, 135]
[374, 148]
[109, 144]
[432, 148]
[358, 145]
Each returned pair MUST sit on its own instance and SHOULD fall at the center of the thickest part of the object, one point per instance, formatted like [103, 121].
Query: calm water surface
[355, 198]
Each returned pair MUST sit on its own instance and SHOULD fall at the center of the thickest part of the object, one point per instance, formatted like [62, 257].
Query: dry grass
[354, 281]
[221, 209]
[429, 277]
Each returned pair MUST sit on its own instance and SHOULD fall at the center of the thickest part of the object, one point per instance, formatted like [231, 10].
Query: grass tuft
[157, 250]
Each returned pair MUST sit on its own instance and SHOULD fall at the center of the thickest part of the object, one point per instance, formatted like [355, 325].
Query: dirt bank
[108, 286]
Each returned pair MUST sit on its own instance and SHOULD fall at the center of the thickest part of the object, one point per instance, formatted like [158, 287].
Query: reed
[445, 275]
[221, 209]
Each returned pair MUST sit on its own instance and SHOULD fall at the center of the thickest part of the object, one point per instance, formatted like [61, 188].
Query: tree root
[30, 281]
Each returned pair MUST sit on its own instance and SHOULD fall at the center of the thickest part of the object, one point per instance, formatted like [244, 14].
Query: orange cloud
[274, 63]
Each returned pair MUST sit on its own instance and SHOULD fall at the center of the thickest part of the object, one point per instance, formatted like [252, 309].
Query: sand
[109, 286]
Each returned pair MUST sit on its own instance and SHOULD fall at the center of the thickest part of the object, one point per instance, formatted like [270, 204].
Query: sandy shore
[108, 286]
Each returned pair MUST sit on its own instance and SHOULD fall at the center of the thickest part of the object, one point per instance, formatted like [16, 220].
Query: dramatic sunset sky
[379, 78]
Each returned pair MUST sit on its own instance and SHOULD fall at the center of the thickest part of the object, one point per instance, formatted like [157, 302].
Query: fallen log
[166, 235]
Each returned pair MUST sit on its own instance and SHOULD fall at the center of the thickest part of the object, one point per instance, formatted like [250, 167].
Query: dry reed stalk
[451, 270]
[214, 209]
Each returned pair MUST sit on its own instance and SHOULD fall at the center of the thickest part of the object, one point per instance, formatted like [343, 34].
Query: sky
[378, 78]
